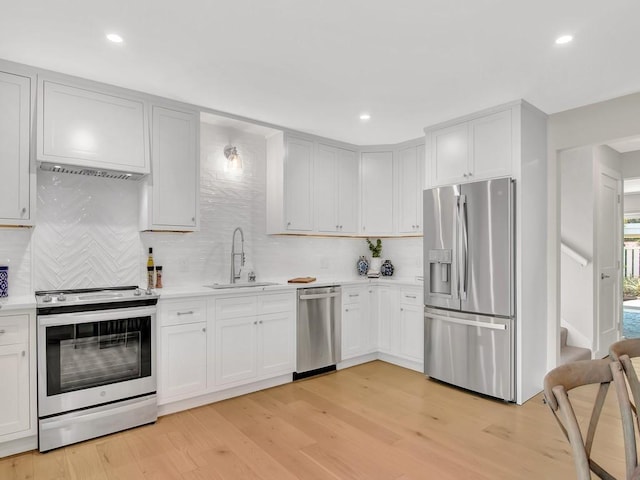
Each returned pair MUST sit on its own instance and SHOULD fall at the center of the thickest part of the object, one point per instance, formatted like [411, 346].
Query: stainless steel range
[96, 363]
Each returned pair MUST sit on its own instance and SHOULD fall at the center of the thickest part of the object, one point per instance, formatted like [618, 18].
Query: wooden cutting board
[302, 280]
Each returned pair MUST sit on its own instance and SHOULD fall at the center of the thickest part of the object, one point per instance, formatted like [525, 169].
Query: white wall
[578, 212]
[631, 164]
[86, 232]
[594, 124]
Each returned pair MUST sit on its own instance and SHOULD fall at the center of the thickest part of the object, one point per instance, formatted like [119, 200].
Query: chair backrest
[627, 415]
[623, 351]
[557, 384]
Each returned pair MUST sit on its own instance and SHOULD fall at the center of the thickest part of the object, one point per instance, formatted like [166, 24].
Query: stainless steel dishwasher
[318, 337]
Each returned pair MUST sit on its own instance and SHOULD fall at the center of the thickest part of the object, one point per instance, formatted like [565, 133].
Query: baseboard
[19, 445]
[352, 362]
[212, 397]
[402, 362]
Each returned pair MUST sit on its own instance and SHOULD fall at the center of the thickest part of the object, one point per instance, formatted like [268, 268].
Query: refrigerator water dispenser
[440, 271]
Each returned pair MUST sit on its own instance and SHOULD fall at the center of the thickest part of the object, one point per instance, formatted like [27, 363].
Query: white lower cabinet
[182, 349]
[411, 326]
[17, 377]
[358, 325]
[184, 362]
[254, 338]
[385, 305]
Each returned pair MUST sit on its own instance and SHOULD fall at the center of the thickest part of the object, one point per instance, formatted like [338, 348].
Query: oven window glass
[93, 354]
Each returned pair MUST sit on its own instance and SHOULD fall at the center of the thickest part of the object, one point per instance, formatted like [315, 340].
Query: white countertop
[282, 285]
[17, 303]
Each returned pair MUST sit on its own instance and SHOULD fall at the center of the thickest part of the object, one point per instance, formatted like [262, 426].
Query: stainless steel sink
[217, 286]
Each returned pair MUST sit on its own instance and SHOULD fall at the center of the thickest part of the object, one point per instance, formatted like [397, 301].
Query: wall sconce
[235, 162]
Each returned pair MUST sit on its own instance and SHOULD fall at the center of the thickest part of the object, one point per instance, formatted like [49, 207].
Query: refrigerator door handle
[470, 323]
[464, 248]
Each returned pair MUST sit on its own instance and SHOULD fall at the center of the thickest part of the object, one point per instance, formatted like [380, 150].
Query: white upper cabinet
[376, 188]
[336, 190]
[298, 176]
[93, 127]
[477, 149]
[410, 164]
[15, 121]
[170, 199]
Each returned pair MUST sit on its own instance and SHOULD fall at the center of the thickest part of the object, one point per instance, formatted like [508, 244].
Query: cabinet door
[275, 344]
[353, 341]
[411, 332]
[377, 193]
[235, 350]
[183, 360]
[491, 149]
[347, 191]
[298, 191]
[386, 305]
[409, 190]
[175, 170]
[14, 378]
[450, 155]
[15, 108]
[101, 130]
[326, 189]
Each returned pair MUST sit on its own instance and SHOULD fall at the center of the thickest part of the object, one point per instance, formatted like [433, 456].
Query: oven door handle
[100, 316]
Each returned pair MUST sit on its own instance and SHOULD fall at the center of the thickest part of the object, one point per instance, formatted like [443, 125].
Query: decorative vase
[362, 265]
[376, 263]
[386, 270]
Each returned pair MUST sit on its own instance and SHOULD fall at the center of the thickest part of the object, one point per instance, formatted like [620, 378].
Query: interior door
[609, 254]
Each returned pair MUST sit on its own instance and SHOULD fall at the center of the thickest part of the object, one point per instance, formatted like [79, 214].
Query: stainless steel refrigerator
[469, 286]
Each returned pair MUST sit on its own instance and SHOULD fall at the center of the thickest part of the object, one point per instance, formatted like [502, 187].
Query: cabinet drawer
[235, 307]
[352, 296]
[276, 303]
[14, 329]
[182, 312]
[411, 297]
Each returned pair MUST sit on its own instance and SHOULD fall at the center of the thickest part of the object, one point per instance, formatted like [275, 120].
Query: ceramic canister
[4, 281]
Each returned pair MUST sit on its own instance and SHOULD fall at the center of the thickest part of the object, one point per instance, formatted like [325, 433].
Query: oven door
[92, 358]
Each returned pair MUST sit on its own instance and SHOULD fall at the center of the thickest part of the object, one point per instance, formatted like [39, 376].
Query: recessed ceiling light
[365, 116]
[114, 37]
[564, 39]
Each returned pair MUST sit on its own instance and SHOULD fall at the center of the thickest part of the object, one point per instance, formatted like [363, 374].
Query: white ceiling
[315, 66]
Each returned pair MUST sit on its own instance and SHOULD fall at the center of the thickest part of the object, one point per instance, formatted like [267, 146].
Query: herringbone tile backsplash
[87, 234]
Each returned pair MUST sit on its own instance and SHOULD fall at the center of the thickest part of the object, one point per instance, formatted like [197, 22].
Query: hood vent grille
[91, 172]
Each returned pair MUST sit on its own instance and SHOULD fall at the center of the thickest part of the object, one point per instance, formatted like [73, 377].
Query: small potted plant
[376, 261]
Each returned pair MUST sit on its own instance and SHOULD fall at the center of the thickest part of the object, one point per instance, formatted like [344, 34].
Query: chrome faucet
[236, 275]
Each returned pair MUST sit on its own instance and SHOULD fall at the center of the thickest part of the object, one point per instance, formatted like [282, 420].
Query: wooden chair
[623, 351]
[626, 378]
[557, 384]
[629, 420]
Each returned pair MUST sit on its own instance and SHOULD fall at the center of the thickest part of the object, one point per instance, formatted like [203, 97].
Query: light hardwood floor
[373, 421]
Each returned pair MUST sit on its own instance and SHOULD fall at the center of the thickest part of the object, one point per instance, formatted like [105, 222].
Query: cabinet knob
[402, 309]
[464, 175]
[1, 332]
[363, 229]
[288, 224]
[337, 227]
[346, 309]
[417, 226]
[204, 329]
[23, 211]
[255, 323]
[260, 322]
[23, 353]
[193, 219]
[340, 227]
[470, 174]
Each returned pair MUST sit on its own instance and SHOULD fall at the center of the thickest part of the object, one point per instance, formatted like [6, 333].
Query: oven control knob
[62, 297]
[46, 298]
[137, 292]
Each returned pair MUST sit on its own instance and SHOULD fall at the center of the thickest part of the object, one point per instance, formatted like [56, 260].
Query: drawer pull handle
[190, 312]
[410, 296]
[354, 294]
[2, 332]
